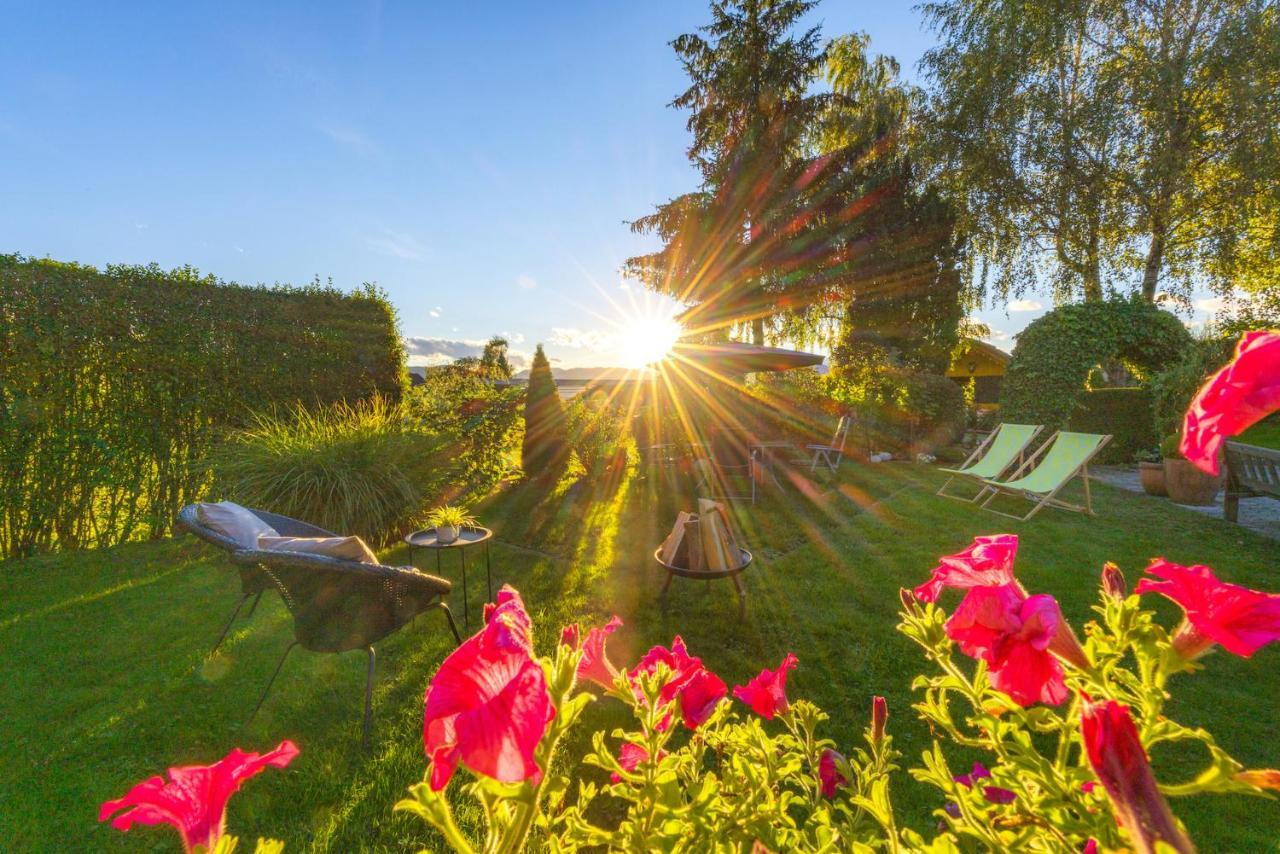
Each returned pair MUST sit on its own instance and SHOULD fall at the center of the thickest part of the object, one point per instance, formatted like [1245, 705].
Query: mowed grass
[103, 654]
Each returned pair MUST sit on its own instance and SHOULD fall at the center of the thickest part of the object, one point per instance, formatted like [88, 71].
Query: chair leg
[368, 699]
[270, 682]
[226, 628]
[453, 627]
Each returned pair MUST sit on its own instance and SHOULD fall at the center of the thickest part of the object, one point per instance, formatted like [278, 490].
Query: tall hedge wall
[1125, 413]
[114, 385]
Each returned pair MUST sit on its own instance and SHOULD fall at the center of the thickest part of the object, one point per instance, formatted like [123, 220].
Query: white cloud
[1025, 305]
[578, 339]
[526, 281]
[436, 312]
[1209, 305]
[442, 351]
[397, 245]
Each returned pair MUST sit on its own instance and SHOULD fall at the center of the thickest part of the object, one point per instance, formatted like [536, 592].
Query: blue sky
[475, 160]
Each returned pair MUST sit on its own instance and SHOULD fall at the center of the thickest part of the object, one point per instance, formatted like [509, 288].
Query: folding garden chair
[1047, 471]
[1007, 444]
[337, 605]
[831, 455]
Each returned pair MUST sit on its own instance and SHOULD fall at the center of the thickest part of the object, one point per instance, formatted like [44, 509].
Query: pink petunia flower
[767, 693]
[700, 696]
[1238, 396]
[1090, 846]
[195, 799]
[1013, 634]
[1240, 619]
[1116, 754]
[997, 795]
[979, 772]
[488, 705]
[630, 755]
[829, 775]
[987, 562]
[595, 664]
[686, 676]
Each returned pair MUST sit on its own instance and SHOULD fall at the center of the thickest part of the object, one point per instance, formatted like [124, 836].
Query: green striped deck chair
[1000, 450]
[1049, 469]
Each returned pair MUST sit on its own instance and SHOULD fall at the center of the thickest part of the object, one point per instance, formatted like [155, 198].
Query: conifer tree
[545, 448]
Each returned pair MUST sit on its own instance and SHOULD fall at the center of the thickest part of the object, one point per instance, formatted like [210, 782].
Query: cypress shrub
[115, 385]
[545, 448]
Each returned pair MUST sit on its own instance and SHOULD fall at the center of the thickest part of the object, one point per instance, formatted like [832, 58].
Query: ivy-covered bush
[1045, 379]
[115, 384]
[1125, 413]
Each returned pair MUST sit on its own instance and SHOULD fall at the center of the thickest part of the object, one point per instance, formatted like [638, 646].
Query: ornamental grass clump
[362, 469]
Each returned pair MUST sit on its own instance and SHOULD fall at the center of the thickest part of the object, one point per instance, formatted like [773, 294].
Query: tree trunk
[757, 331]
[1155, 260]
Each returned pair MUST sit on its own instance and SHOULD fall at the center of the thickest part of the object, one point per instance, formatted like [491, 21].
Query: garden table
[706, 575]
[766, 456]
[470, 535]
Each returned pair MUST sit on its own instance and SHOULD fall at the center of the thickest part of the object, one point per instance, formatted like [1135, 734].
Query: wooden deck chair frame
[831, 455]
[718, 476]
[1045, 499]
[977, 455]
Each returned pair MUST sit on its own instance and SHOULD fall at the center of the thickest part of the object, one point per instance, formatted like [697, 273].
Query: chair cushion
[343, 548]
[235, 522]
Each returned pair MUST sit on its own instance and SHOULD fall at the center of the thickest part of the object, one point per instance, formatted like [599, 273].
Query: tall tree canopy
[1131, 143]
[750, 108]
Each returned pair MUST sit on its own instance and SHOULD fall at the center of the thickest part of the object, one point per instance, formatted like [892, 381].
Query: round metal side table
[471, 535]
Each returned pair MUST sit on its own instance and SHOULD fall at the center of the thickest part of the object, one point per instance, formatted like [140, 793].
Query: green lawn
[102, 654]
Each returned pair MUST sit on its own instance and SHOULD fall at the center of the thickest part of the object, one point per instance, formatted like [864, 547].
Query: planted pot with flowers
[1185, 483]
[449, 522]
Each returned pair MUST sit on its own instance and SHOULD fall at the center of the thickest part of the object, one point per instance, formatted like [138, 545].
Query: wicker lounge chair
[337, 605]
[1047, 471]
[1005, 446]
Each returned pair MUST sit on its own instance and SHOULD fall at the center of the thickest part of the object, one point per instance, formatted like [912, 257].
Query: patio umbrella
[732, 357]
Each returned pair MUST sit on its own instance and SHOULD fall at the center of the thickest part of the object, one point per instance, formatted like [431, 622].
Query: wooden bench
[1251, 470]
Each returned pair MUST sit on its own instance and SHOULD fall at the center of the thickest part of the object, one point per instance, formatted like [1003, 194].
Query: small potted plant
[449, 522]
[1151, 472]
[1185, 483]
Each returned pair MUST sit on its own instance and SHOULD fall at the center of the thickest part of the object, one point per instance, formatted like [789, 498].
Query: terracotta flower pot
[1152, 477]
[1188, 485]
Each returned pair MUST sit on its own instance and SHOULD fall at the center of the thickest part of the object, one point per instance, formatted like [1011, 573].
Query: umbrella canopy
[736, 358]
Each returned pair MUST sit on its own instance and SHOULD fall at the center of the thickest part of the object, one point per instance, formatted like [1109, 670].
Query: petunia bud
[1113, 583]
[908, 599]
[1118, 758]
[879, 717]
[1263, 778]
[1066, 645]
[569, 636]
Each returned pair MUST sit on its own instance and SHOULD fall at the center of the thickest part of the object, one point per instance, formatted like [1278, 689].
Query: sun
[647, 339]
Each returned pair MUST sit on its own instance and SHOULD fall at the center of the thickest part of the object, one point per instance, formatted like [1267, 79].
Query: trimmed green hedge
[1125, 413]
[1045, 379]
[114, 385]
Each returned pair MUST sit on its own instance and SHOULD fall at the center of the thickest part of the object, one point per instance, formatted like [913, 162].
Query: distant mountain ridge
[585, 374]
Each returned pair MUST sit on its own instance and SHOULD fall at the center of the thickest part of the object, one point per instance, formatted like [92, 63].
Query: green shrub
[366, 469]
[597, 432]
[478, 423]
[115, 385]
[1046, 378]
[1125, 413]
[1173, 388]
[545, 451]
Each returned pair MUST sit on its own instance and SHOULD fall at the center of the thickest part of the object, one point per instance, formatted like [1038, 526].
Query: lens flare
[645, 340]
